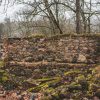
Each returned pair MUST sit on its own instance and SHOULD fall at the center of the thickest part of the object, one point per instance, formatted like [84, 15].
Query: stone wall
[64, 49]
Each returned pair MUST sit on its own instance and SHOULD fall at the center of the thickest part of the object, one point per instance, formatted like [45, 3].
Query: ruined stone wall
[65, 49]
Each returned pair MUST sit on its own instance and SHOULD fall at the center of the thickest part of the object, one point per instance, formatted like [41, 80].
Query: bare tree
[1, 30]
[52, 14]
[52, 17]
[89, 18]
[8, 28]
[78, 25]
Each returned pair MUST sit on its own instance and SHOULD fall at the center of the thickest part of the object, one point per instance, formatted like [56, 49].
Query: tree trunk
[78, 21]
[89, 19]
[52, 17]
[83, 17]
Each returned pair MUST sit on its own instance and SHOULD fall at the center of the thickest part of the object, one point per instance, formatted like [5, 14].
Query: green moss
[49, 90]
[45, 79]
[89, 77]
[74, 87]
[4, 78]
[93, 71]
[73, 83]
[80, 78]
[1, 71]
[38, 88]
[35, 90]
[1, 64]
[37, 35]
[72, 72]
[45, 84]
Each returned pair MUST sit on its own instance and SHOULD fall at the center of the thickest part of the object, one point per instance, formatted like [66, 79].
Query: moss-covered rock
[1, 63]
[4, 76]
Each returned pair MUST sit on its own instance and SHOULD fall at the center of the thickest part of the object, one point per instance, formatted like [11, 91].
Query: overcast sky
[9, 11]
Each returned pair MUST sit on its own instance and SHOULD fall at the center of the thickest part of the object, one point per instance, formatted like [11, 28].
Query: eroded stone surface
[64, 49]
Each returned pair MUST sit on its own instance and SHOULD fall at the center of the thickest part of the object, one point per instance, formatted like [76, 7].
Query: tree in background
[56, 17]
[78, 13]
[1, 30]
[8, 27]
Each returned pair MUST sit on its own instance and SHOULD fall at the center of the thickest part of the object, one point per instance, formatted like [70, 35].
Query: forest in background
[51, 17]
[57, 54]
